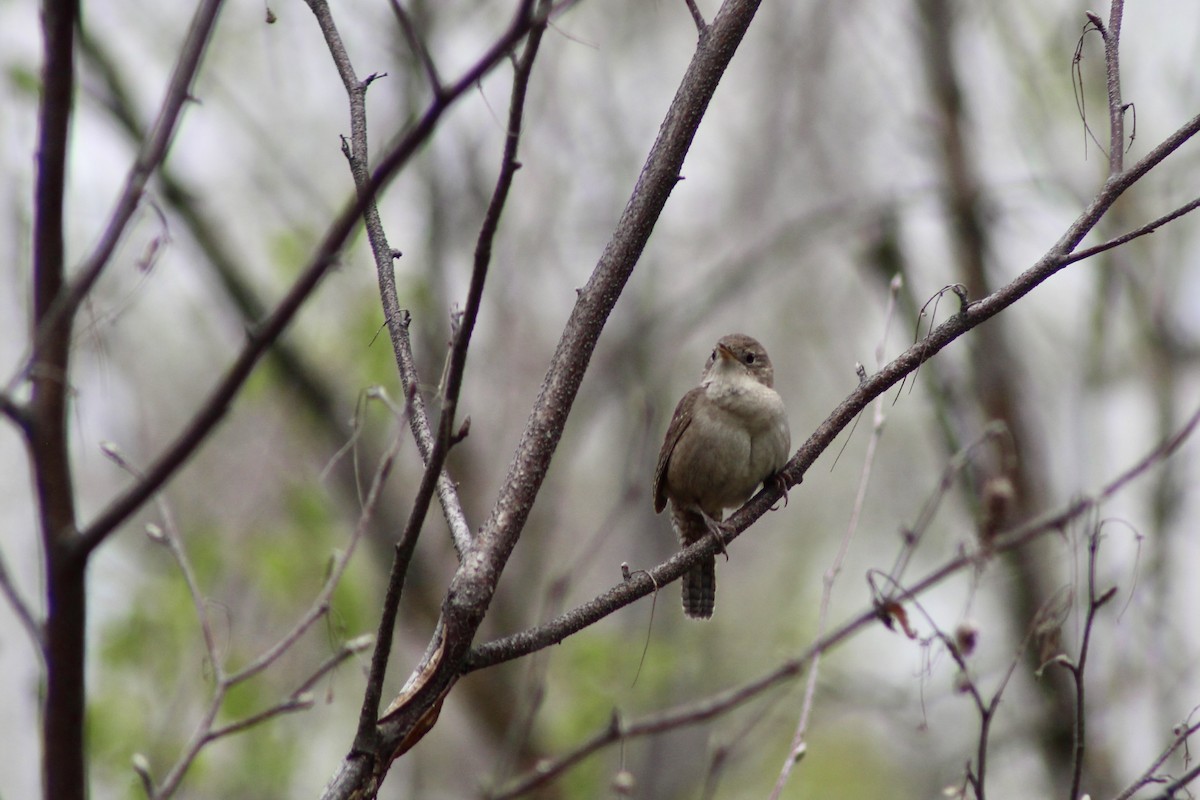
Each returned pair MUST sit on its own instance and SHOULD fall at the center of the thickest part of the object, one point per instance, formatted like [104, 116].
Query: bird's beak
[726, 353]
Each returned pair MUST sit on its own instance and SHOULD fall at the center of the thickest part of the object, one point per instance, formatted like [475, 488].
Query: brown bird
[727, 436]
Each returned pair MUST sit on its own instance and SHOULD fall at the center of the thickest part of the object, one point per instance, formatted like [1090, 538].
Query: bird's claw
[714, 528]
[777, 482]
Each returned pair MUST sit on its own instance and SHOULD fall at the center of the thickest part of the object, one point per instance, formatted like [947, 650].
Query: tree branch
[64, 770]
[642, 583]
[205, 730]
[418, 46]
[22, 610]
[1182, 734]
[1077, 668]
[1116, 109]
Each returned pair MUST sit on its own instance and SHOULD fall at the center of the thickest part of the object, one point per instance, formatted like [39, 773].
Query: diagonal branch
[645, 582]
[418, 46]
[357, 154]
[707, 708]
[153, 151]
[22, 609]
[1182, 734]
[972, 315]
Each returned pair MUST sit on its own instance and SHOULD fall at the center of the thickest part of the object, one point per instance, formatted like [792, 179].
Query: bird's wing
[679, 423]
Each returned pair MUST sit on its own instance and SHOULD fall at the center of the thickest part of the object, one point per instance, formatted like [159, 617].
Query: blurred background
[848, 143]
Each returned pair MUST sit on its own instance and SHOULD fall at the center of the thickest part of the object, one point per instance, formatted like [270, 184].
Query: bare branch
[1182, 734]
[447, 491]
[397, 319]
[1149, 227]
[418, 46]
[1170, 792]
[301, 698]
[642, 583]
[1077, 668]
[1116, 109]
[688, 714]
[22, 609]
[697, 17]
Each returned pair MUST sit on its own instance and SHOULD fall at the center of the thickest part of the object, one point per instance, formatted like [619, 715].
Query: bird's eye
[713, 357]
[749, 358]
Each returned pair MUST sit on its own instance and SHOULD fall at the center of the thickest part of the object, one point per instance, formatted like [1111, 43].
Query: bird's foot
[714, 528]
[776, 481]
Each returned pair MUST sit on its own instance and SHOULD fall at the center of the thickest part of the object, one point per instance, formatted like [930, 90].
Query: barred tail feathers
[700, 582]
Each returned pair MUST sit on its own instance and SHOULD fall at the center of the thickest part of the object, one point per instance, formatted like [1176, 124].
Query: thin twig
[1077, 668]
[797, 748]
[912, 535]
[169, 536]
[688, 714]
[320, 605]
[1149, 227]
[300, 699]
[397, 319]
[22, 609]
[697, 17]
[1116, 109]
[447, 490]
[418, 46]
[1182, 734]
[1169, 793]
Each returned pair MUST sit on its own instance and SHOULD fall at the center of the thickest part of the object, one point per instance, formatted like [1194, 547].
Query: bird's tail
[699, 582]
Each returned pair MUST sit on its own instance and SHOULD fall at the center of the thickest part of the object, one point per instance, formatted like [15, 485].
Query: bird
[727, 435]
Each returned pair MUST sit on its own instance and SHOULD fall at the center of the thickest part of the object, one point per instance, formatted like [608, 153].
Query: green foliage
[840, 762]
[151, 660]
[290, 249]
[24, 80]
[589, 680]
[289, 564]
[154, 678]
[374, 363]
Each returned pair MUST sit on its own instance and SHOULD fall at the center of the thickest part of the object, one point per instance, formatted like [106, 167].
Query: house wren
[727, 436]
